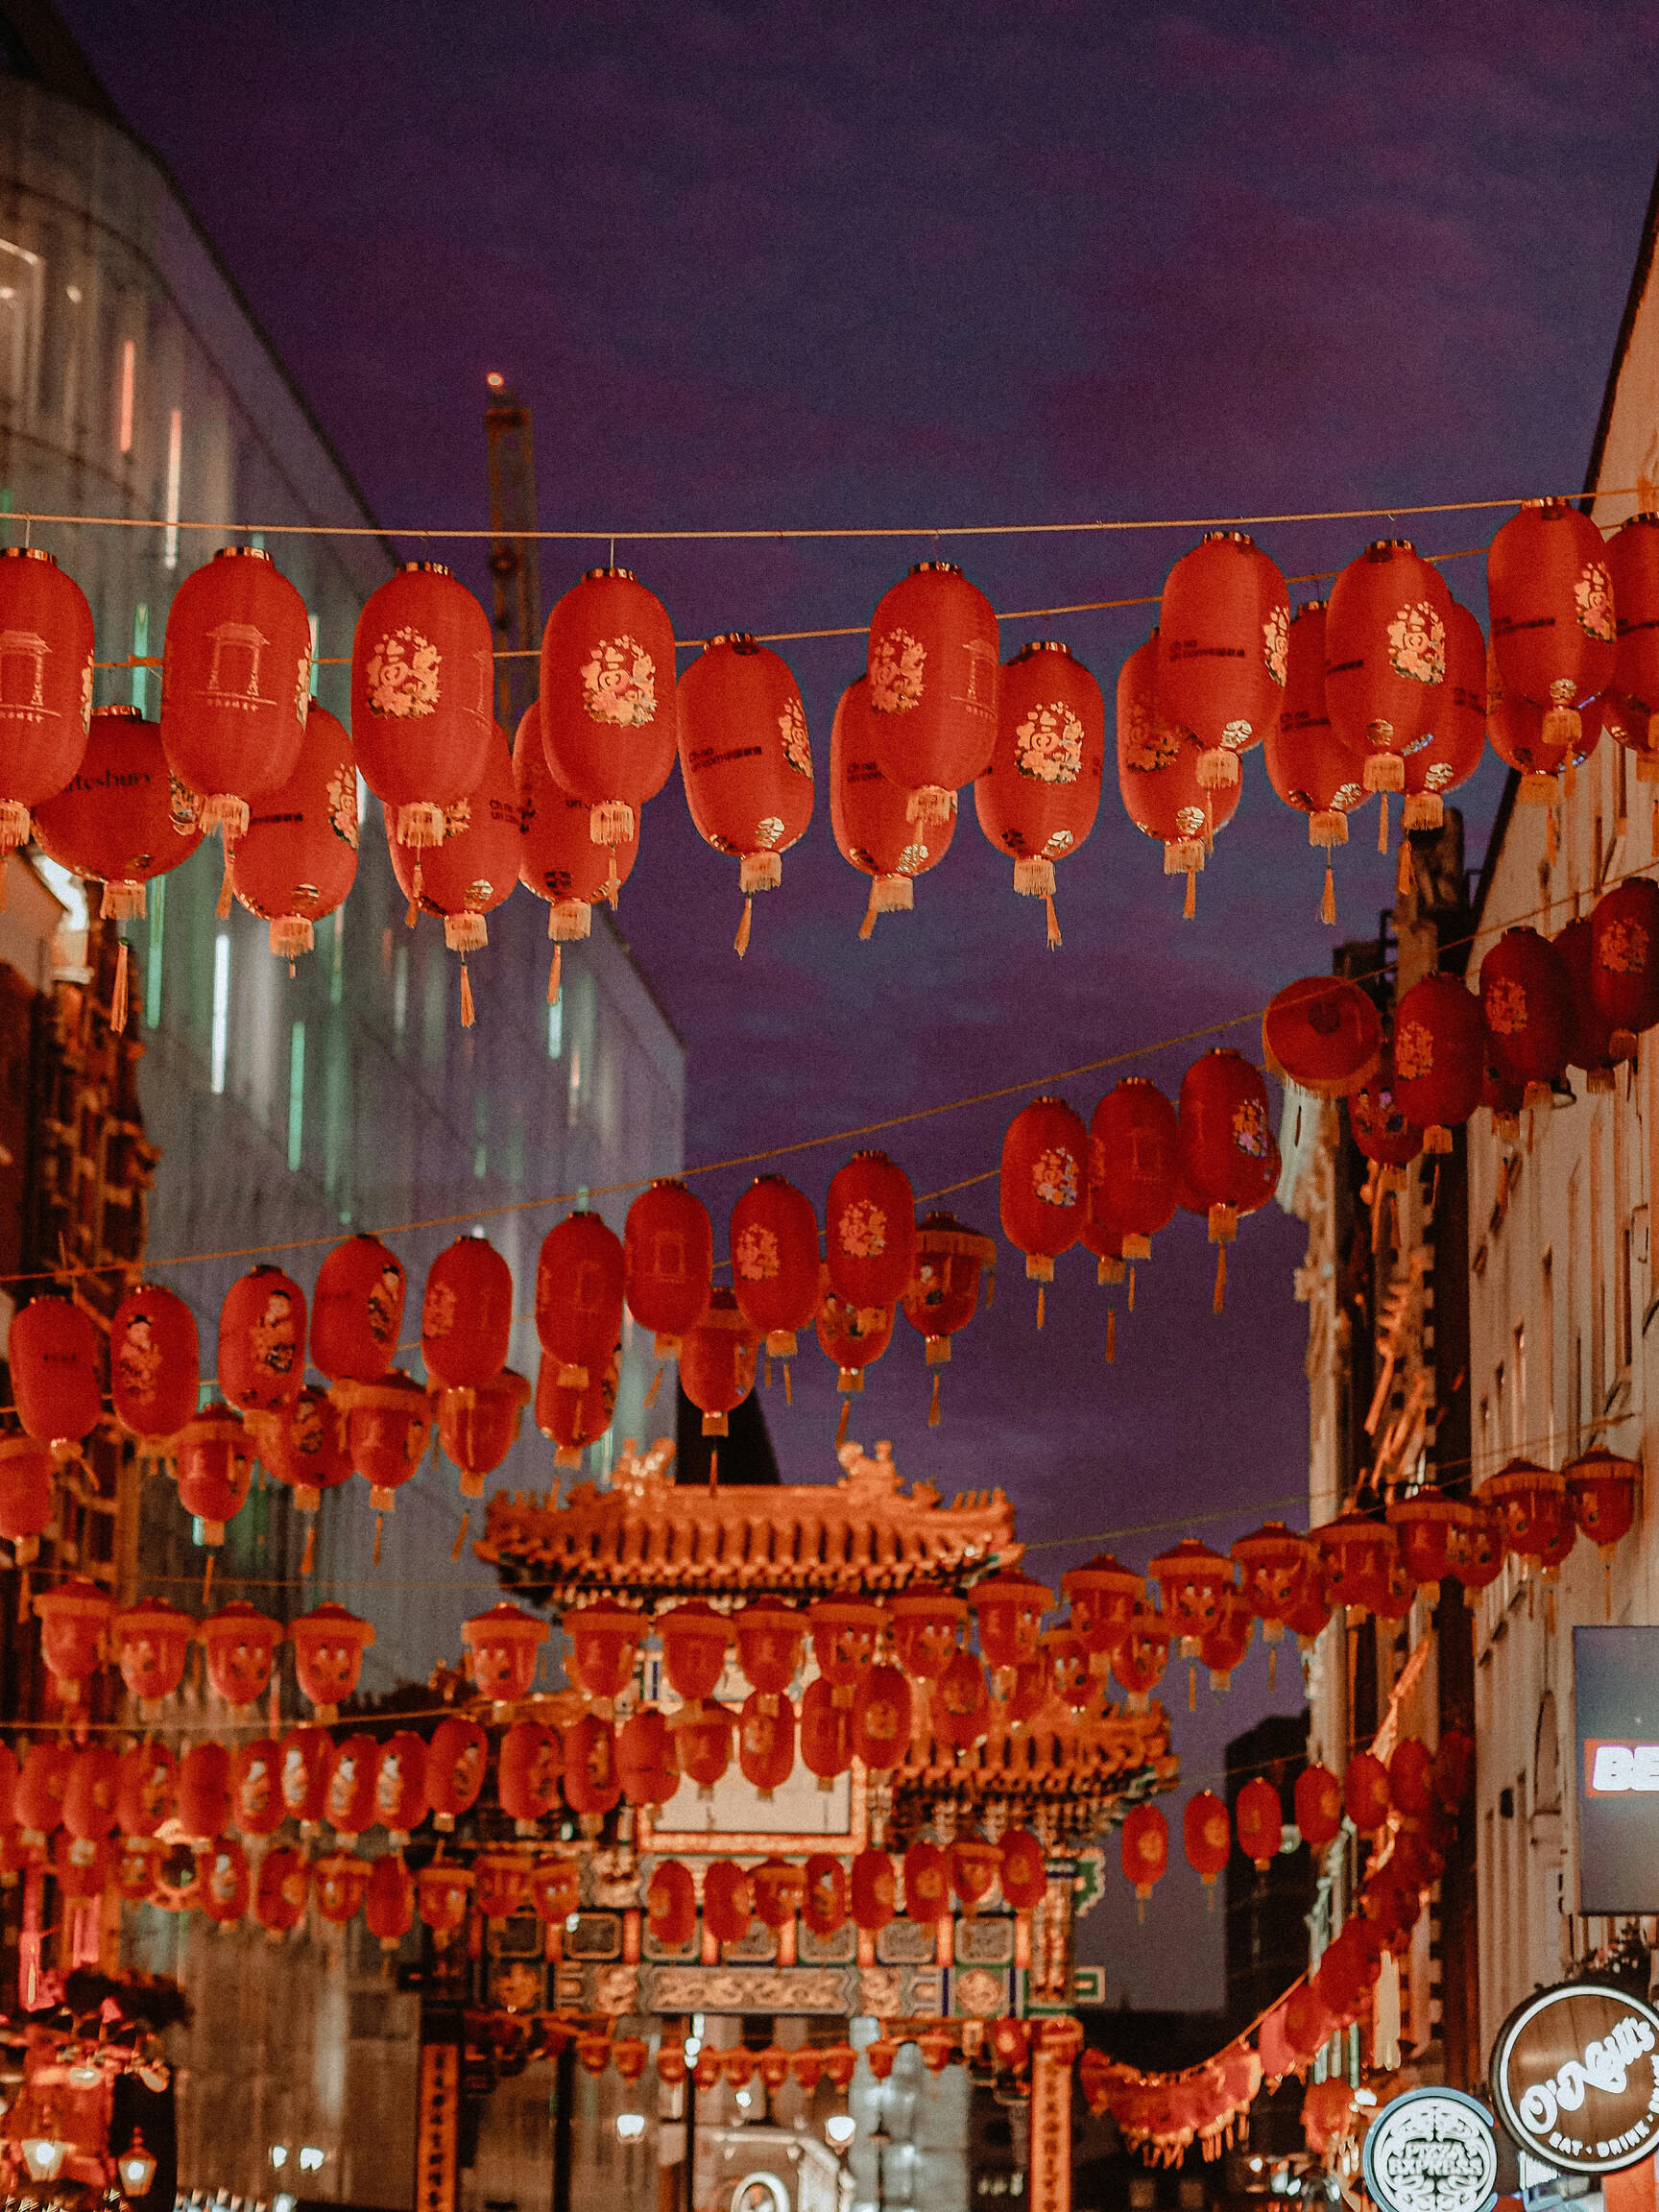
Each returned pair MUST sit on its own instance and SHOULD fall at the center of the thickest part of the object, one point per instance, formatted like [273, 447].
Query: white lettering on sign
[1603, 2066]
[1620, 1770]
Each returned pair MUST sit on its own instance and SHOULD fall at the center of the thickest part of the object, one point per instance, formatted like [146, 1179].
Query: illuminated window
[295, 1097]
[174, 474]
[140, 646]
[124, 403]
[221, 1013]
[156, 903]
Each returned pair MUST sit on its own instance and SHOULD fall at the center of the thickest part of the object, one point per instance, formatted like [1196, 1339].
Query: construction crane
[512, 550]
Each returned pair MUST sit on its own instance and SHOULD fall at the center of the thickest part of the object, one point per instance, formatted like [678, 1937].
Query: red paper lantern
[881, 1718]
[775, 1261]
[1319, 1806]
[779, 1893]
[1261, 1823]
[667, 1260]
[146, 1789]
[1534, 740]
[1278, 1571]
[73, 1620]
[475, 868]
[1067, 1659]
[42, 1780]
[1366, 1794]
[1043, 1185]
[1008, 1609]
[824, 1905]
[443, 1893]
[717, 1360]
[558, 860]
[1386, 657]
[46, 695]
[26, 1504]
[90, 1794]
[1039, 796]
[1023, 1871]
[256, 1787]
[950, 1261]
[869, 1231]
[1503, 1098]
[455, 1761]
[1140, 1656]
[298, 858]
[1525, 997]
[703, 1741]
[1551, 593]
[825, 1733]
[1457, 745]
[262, 1342]
[389, 1901]
[555, 1889]
[745, 759]
[357, 1310]
[1307, 765]
[574, 1417]
[647, 1758]
[306, 1753]
[934, 686]
[151, 1641]
[609, 718]
[1625, 961]
[1439, 1056]
[1161, 767]
[1223, 630]
[1195, 1582]
[806, 2064]
[1228, 1155]
[1453, 1768]
[340, 1883]
[304, 1446]
[1357, 1554]
[579, 1290]
[226, 1880]
[592, 1783]
[1378, 1123]
[155, 1365]
[240, 1644]
[1222, 1647]
[728, 1901]
[844, 1633]
[423, 677]
[51, 1352]
[467, 1315]
[1322, 1034]
[1410, 1778]
[1591, 1043]
[1103, 1597]
[959, 1707]
[853, 1336]
[204, 1791]
[400, 1800]
[926, 1882]
[504, 1647]
[770, 1638]
[235, 683]
[870, 816]
[1533, 1505]
[1428, 1531]
[328, 1647]
[874, 1891]
[388, 1427]
[1207, 1836]
[121, 818]
[1146, 1849]
[605, 1641]
[671, 1905]
[500, 1883]
[135, 1863]
[694, 1643]
[1603, 1490]
[280, 1891]
[477, 1427]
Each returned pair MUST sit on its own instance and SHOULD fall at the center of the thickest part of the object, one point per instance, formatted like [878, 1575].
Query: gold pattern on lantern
[862, 1230]
[619, 682]
[896, 672]
[1594, 595]
[1417, 644]
[402, 675]
[1276, 643]
[792, 731]
[1622, 948]
[755, 1255]
[1048, 744]
[1505, 1006]
[1055, 1177]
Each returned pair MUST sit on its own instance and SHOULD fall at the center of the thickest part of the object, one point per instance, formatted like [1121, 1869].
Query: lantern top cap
[1599, 1461]
[693, 1616]
[39, 553]
[1009, 1582]
[1385, 548]
[424, 569]
[1226, 538]
[612, 574]
[150, 1611]
[1310, 606]
[928, 1604]
[77, 1596]
[1041, 646]
[1631, 521]
[244, 553]
[235, 1619]
[120, 709]
[334, 1618]
[936, 569]
[774, 1611]
[742, 641]
[598, 1615]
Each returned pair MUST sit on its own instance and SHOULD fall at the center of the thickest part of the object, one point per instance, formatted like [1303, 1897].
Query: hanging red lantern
[1633, 556]
[959, 1708]
[870, 1232]
[1223, 629]
[443, 1893]
[933, 686]
[926, 1628]
[1524, 998]
[1378, 1123]
[1023, 1871]
[1551, 593]
[235, 683]
[825, 1733]
[1223, 1646]
[306, 1753]
[1439, 1057]
[646, 1759]
[1453, 1768]
[807, 2065]
[400, 1800]
[1357, 1554]
[1134, 1155]
[1625, 961]
[1278, 1569]
[423, 676]
[1023, 1690]
[1194, 1582]
[1071, 1674]
[950, 1261]
[26, 1504]
[262, 1342]
[870, 816]
[1365, 1796]
[499, 1884]
[579, 1291]
[667, 1257]
[703, 1743]
[875, 1891]
[240, 1644]
[671, 1905]
[1042, 1185]
[477, 1427]
[135, 1863]
[389, 1901]
[51, 1352]
[845, 1632]
[1478, 1558]
[42, 1780]
[592, 1784]
[297, 858]
[74, 1617]
[1542, 748]
[151, 1641]
[881, 1718]
[779, 1893]
[357, 1310]
[226, 1883]
[1455, 747]
[694, 1642]
[558, 860]
[1261, 1823]
[328, 1647]
[1322, 1034]
[155, 1365]
[1319, 1806]
[1533, 1504]
[926, 1882]
[745, 759]
[1386, 658]
[770, 1638]
[974, 1865]
[1410, 1778]
[775, 1261]
[1140, 1658]
[304, 1446]
[1307, 765]
[854, 1337]
[555, 1889]
[728, 1901]
[1103, 1597]
[1427, 1530]
[1207, 1836]
[1228, 1154]
[824, 1905]
[574, 1417]
[1146, 1849]
[1008, 1609]
[474, 870]
[90, 1794]
[604, 1643]
[503, 1649]
[455, 1761]
[257, 1805]
[47, 703]
[466, 1315]
[610, 714]
[204, 1791]
[280, 1891]
[1039, 796]
[388, 1427]
[340, 1883]
[1161, 771]
[1590, 1046]
[1603, 1491]
[146, 1789]
[717, 1360]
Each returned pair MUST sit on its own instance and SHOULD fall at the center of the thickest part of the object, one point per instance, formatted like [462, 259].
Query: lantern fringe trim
[290, 935]
[929, 804]
[15, 825]
[888, 895]
[569, 920]
[224, 811]
[1326, 826]
[1383, 771]
[466, 932]
[420, 825]
[1034, 876]
[123, 900]
[1423, 811]
[759, 872]
[118, 991]
[1217, 768]
[611, 823]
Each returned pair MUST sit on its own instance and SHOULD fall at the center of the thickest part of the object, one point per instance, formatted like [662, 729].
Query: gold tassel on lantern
[118, 996]
[841, 1425]
[740, 943]
[1219, 1298]
[1039, 1291]
[460, 1535]
[465, 998]
[868, 921]
[555, 974]
[1328, 904]
[222, 911]
[933, 1402]
[656, 1385]
[1404, 873]
[1111, 1337]
[207, 1579]
[379, 1519]
[1383, 823]
[1054, 938]
[308, 1560]
[1189, 905]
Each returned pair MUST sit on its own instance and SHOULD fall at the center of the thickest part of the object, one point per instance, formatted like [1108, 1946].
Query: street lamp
[840, 2128]
[137, 2167]
[43, 2153]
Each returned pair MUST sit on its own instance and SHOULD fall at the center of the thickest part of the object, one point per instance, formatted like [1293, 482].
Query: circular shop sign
[1432, 2150]
[1575, 2078]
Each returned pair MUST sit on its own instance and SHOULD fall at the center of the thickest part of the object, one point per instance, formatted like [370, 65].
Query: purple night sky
[764, 265]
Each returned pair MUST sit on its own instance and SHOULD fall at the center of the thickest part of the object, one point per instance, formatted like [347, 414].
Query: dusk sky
[925, 266]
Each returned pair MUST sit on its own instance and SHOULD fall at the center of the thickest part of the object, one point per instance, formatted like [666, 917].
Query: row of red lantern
[1161, 2115]
[1009, 2043]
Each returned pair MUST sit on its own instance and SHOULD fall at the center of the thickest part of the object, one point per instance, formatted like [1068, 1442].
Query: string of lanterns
[1387, 687]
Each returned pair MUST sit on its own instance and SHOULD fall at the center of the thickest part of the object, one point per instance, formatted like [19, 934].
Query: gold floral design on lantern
[862, 1228]
[767, 832]
[1276, 644]
[1417, 644]
[896, 672]
[1048, 744]
[619, 682]
[1414, 1049]
[1594, 595]
[1622, 948]
[792, 731]
[1505, 1006]
[1150, 743]
[1250, 1129]
[302, 683]
[1055, 1177]
[1236, 735]
[755, 1255]
[343, 805]
[403, 675]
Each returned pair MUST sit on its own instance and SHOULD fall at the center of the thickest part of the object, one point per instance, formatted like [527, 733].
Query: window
[1546, 1319]
[221, 1013]
[1518, 1411]
[175, 478]
[124, 394]
[295, 1097]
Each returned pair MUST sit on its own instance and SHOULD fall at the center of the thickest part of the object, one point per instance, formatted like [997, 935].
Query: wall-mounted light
[44, 2154]
[278, 2155]
[310, 2158]
[137, 2167]
[630, 2125]
[840, 2128]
